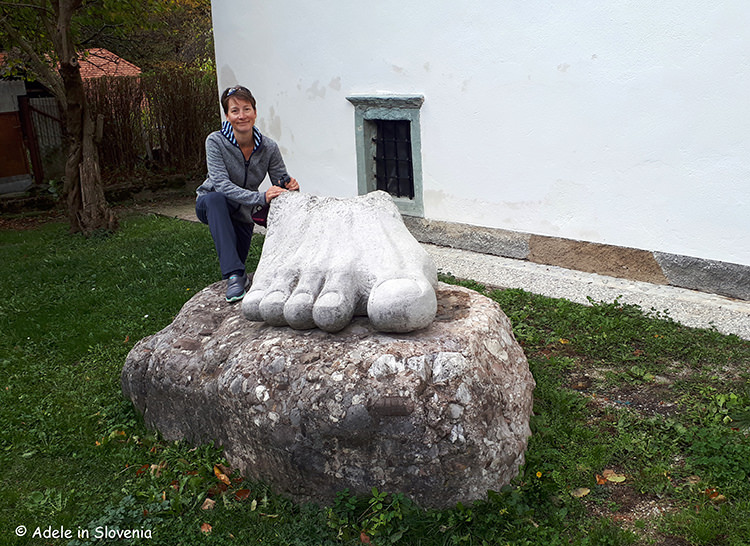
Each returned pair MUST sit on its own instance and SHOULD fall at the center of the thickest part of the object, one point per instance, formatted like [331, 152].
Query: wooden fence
[154, 120]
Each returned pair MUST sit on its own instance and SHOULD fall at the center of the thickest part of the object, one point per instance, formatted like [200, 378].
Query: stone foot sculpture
[326, 259]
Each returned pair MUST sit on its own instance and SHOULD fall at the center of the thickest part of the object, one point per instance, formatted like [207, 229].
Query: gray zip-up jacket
[237, 179]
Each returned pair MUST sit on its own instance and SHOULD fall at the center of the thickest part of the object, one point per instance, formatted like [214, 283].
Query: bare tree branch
[97, 33]
[46, 74]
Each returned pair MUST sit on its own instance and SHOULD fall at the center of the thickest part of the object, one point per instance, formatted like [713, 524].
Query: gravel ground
[688, 307]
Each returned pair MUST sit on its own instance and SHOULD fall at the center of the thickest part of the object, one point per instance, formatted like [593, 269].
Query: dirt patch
[646, 399]
[633, 512]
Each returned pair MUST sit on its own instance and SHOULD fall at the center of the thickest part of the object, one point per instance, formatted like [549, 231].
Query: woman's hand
[292, 185]
[273, 191]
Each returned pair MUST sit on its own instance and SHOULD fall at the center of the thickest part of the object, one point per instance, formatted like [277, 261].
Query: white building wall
[624, 122]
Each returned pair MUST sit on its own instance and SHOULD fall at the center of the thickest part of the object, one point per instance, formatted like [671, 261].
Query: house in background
[100, 62]
[610, 137]
[31, 142]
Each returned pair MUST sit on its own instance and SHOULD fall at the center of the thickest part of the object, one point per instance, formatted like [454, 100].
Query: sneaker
[236, 286]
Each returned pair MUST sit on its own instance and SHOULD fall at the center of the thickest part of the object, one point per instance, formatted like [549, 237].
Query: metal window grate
[393, 161]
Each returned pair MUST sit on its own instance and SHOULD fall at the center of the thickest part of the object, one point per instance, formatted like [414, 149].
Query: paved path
[688, 307]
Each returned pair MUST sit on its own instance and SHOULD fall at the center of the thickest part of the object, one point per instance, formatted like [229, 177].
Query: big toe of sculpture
[326, 259]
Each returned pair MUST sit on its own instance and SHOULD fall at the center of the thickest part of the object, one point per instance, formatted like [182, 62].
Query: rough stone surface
[614, 261]
[326, 260]
[497, 242]
[723, 278]
[441, 414]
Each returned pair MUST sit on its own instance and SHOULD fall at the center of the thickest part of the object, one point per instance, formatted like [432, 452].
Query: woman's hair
[238, 92]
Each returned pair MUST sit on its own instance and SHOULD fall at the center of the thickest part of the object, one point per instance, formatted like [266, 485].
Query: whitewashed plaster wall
[624, 122]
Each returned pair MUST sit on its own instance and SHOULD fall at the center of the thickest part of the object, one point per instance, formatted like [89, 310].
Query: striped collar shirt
[228, 132]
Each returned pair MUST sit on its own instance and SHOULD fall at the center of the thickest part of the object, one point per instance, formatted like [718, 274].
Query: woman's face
[241, 115]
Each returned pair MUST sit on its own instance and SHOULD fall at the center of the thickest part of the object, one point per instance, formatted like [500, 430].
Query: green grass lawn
[641, 427]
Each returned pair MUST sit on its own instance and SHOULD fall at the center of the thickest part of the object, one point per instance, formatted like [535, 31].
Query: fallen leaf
[612, 476]
[579, 492]
[564, 341]
[157, 468]
[711, 493]
[600, 480]
[222, 477]
[363, 538]
[224, 469]
[692, 480]
[242, 494]
[253, 505]
[208, 504]
[206, 528]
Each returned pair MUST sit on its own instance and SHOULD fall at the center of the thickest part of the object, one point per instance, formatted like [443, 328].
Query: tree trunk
[87, 208]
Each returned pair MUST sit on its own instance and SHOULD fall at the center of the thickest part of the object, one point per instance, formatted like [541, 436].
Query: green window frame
[372, 117]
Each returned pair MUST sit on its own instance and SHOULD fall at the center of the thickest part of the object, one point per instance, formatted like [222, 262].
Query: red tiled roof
[100, 62]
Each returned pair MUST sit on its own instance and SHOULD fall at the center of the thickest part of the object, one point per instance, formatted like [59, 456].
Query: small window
[393, 169]
[389, 157]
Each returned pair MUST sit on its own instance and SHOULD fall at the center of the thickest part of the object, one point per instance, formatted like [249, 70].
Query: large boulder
[440, 414]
